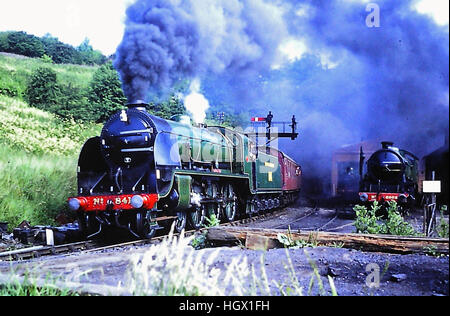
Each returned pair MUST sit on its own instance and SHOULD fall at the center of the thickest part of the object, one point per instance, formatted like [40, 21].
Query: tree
[105, 93]
[173, 106]
[43, 89]
[22, 44]
[59, 52]
[89, 56]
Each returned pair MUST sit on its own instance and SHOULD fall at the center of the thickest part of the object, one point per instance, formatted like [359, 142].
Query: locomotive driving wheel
[180, 222]
[229, 202]
[197, 217]
[213, 208]
[143, 226]
[250, 207]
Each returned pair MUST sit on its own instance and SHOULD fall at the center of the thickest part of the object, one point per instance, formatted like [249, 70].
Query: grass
[34, 187]
[29, 288]
[38, 161]
[38, 132]
[174, 268]
[14, 73]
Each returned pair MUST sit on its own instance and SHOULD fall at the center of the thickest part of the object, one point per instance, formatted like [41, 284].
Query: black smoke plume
[170, 40]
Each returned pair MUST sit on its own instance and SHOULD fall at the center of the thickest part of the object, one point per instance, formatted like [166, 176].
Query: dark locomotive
[144, 173]
[392, 174]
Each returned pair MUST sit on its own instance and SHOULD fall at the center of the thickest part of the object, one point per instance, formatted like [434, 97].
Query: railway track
[94, 246]
[308, 214]
[316, 225]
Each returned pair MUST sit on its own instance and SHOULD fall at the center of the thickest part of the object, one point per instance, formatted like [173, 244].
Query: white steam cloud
[196, 103]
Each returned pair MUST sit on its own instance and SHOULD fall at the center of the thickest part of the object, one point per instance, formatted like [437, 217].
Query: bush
[43, 89]
[443, 227]
[368, 223]
[103, 98]
[8, 88]
[73, 104]
[46, 59]
[395, 224]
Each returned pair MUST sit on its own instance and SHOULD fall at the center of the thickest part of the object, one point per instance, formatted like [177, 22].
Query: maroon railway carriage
[291, 173]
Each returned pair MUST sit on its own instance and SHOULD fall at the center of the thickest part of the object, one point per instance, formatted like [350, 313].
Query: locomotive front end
[117, 176]
[392, 176]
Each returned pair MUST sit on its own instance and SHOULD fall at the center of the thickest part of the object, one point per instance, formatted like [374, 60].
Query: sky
[71, 21]
[102, 21]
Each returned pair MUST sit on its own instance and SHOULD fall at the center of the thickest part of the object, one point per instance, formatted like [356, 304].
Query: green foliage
[46, 59]
[15, 75]
[83, 94]
[28, 287]
[38, 159]
[89, 56]
[43, 89]
[395, 224]
[290, 243]
[367, 221]
[231, 119]
[38, 132]
[97, 103]
[8, 86]
[212, 221]
[45, 92]
[21, 43]
[73, 104]
[173, 106]
[443, 228]
[34, 187]
[200, 241]
[105, 93]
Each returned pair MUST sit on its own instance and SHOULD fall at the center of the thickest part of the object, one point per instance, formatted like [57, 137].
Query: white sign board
[432, 187]
[50, 237]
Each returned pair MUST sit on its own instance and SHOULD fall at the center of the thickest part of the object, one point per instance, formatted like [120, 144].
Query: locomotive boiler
[144, 173]
[392, 174]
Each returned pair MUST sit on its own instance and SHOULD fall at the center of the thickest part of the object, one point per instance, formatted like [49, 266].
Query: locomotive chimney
[386, 145]
[138, 105]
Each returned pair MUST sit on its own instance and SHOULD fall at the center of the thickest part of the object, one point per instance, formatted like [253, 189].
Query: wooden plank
[375, 243]
[259, 242]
